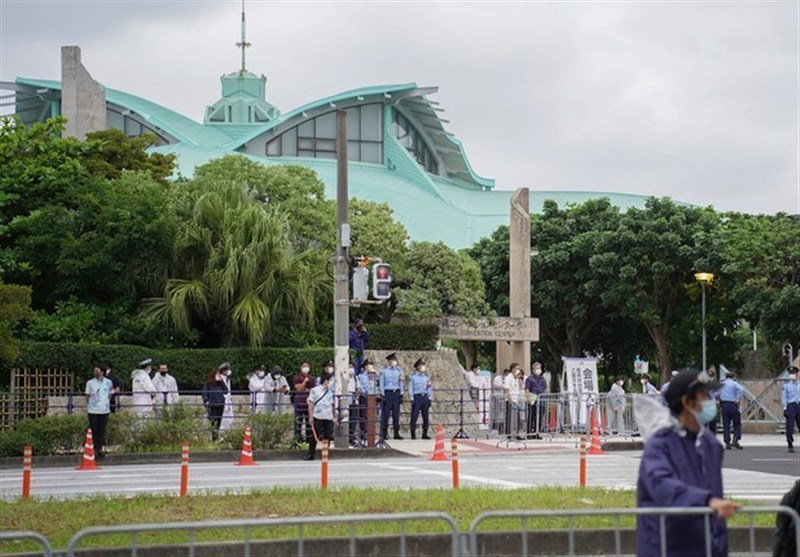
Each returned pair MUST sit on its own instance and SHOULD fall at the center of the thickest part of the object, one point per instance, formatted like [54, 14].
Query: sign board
[640, 367]
[581, 384]
[499, 328]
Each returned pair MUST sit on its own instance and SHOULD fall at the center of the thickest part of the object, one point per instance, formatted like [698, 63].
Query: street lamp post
[703, 279]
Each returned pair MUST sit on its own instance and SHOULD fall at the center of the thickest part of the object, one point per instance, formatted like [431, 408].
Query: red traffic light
[382, 272]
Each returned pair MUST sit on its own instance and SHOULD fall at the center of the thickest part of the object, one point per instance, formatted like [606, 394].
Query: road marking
[774, 460]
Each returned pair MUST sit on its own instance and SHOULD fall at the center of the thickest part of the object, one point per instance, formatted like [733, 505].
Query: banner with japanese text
[582, 387]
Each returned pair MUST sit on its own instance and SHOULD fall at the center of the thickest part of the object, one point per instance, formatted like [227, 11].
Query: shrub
[47, 435]
[175, 425]
[392, 336]
[272, 431]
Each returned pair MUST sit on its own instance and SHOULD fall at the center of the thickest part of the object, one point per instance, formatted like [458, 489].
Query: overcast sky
[697, 101]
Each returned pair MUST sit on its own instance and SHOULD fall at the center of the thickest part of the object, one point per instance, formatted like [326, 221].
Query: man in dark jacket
[359, 338]
[682, 467]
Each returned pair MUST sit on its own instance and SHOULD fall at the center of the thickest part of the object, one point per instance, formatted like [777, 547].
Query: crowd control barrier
[47, 550]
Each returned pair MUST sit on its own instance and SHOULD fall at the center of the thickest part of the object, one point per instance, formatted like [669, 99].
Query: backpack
[784, 527]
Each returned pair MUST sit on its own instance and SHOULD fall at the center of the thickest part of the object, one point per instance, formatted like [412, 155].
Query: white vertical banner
[582, 386]
[484, 398]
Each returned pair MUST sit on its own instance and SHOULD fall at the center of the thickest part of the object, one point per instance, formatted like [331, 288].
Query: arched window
[316, 137]
[412, 140]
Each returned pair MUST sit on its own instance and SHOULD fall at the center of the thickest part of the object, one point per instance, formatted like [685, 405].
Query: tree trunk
[470, 349]
[660, 337]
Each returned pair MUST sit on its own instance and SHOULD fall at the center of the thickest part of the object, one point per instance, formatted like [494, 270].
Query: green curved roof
[458, 209]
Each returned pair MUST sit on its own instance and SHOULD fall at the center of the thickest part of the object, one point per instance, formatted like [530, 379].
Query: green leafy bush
[390, 336]
[175, 425]
[48, 435]
[273, 431]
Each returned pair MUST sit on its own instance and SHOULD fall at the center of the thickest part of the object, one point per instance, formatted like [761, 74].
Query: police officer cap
[259, 367]
[392, 356]
[419, 363]
[682, 383]
[145, 363]
[276, 370]
[225, 366]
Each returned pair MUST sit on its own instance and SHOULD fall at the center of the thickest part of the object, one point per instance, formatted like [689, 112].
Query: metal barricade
[526, 517]
[47, 550]
[400, 519]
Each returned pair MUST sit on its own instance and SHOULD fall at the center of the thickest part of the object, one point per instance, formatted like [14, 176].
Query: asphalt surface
[760, 474]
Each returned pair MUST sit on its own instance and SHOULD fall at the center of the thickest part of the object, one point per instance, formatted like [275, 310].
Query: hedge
[191, 366]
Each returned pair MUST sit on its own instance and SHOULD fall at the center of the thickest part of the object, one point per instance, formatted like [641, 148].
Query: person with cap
[473, 380]
[665, 386]
[616, 405]
[730, 396]
[227, 414]
[681, 466]
[214, 394]
[535, 387]
[322, 409]
[790, 400]
[647, 387]
[391, 388]
[420, 393]
[367, 386]
[166, 386]
[359, 338]
[277, 391]
[257, 384]
[98, 406]
[144, 392]
[302, 383]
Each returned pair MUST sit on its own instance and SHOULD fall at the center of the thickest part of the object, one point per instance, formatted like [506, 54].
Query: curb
[618, 446]
[111, 459]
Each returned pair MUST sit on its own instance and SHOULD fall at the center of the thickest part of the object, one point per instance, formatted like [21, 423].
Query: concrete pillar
[83, 100]
[520, 279]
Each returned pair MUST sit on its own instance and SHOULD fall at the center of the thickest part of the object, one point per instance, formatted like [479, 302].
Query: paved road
[760, 474]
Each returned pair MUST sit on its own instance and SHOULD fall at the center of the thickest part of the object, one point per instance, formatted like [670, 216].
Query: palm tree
[237, 271]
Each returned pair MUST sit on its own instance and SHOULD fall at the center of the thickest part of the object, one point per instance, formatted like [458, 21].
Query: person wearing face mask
[647, 387]
[616, 405]
[681, 466]
[420, 393]
[353, 415]
[513, 388]
[166, 386]
[257, 385]
[391, 387]
[790, 400]
[730, 396]
[359, 338]
[98, 406]
[535, 386]
[214, 394]
[367, 387]
[227, 413]
[144, 392]
[302, 383]
[277, 391]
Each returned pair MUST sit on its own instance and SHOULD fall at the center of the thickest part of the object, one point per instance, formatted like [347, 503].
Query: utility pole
[341, 272]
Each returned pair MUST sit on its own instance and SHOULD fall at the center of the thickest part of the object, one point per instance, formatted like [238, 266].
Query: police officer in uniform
[730, 395]
[367, 385]
[790, 400]
[391, 387]
[420, 392]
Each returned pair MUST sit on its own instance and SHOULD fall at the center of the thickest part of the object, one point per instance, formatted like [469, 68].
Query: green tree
[237, 271]
[113, 152]
[647, 263]
[15, 305]
[437, 281]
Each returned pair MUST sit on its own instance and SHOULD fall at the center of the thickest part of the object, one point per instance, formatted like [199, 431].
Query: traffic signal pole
[341, 274]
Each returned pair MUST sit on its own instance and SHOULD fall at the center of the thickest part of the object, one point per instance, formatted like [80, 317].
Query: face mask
[537, 371]
[793, 378]
[276, 375]
[228, 372]
[423, 369]
[260, 373]
[304, 369]
[643, 381]
[620, 383]
[392, 363]
[371, 368]
[707, 413]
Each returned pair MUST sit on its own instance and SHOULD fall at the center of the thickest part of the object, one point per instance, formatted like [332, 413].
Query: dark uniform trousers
[731, 415]
[98, 423]
[391, 405]
[324, 430]
[301, 421]
[421, 403]
[792, 419]
[358, 410]
[535, 418]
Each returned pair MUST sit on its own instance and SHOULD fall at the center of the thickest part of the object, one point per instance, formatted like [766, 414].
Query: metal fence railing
[528, 520]
[47, 549]
[302, 539]
[536, 535]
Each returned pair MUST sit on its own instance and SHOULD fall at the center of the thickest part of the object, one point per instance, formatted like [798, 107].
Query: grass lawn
[59, 520]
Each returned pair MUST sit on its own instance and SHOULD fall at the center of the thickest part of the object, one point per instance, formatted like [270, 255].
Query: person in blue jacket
[681, 467]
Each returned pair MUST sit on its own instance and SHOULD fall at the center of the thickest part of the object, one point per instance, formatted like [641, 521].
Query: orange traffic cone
[88, 462]
[597, 447]
[247, 450]
[438, 447]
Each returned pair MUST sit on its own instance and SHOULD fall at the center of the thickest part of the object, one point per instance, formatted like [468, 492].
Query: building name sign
[499, 328]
